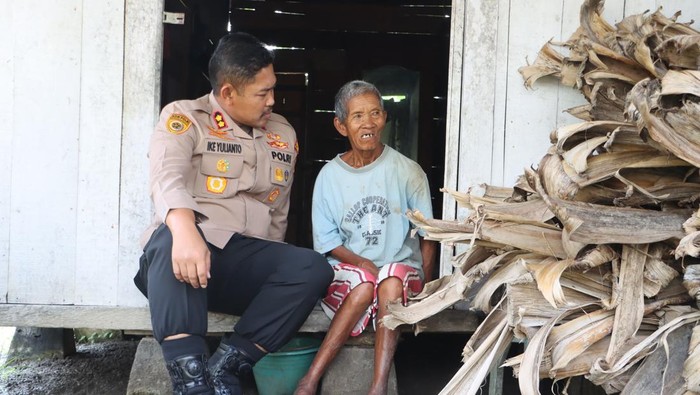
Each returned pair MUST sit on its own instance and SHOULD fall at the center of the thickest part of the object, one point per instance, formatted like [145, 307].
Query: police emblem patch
[178, 124]
[216, 185]
[222, 165]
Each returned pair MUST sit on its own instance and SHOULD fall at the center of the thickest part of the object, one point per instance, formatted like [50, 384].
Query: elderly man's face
[364, 124]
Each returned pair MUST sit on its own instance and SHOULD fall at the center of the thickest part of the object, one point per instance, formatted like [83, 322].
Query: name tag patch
[224, 147]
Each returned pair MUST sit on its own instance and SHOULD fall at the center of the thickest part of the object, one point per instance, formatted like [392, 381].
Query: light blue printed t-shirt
[364, 209]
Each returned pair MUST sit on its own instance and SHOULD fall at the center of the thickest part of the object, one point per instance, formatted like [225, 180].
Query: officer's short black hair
[237, 58]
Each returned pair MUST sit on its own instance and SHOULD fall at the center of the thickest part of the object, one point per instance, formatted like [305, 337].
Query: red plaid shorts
[347, 277]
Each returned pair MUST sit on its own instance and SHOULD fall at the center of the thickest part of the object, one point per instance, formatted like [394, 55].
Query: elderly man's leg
[352, 309]
[389, 290]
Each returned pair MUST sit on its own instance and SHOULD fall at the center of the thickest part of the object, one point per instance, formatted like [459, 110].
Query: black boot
[189, 375]
[226, 366]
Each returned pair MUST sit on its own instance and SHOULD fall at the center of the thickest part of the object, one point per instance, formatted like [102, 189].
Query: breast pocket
[281, 166]
[219, 175]
[281, 174]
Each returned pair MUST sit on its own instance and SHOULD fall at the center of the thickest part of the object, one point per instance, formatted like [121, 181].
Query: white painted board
[531, 114]
[6, 132]
[454, 94]
[101, 80]
[46, 114]
[142, 65]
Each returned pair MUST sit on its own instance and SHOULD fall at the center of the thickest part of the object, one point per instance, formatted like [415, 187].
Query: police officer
[221, 169]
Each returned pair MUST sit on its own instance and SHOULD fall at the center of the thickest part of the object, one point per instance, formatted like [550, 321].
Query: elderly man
[359, 223]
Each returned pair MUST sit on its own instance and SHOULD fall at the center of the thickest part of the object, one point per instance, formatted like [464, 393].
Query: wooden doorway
[320, 45]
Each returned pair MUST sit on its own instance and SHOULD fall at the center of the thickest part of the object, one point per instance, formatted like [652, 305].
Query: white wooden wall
[79, 97]
[496, 127]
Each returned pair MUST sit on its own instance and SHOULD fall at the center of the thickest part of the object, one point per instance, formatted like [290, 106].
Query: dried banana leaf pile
[591, 258]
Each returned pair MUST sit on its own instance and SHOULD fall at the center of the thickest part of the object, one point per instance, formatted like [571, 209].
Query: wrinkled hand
[191, 257]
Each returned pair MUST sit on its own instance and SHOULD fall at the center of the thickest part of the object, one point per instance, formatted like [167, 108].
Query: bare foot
[306, 386]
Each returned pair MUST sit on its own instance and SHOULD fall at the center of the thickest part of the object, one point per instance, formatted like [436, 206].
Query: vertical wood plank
[45, 151]
[531, 114]
[143, 43]
[500, 100]
[6, 133]
[101, 82]
[454, 94]
[476, 126]
[568, 97]
[478, 90]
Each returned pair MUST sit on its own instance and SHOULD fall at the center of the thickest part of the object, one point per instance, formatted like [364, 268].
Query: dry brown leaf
[682, 141]
[630, 309]
[547, 274]
[691, 368]
[598, 224]
[548, 62]
[469, 377]
[602, 372]
[682, 51]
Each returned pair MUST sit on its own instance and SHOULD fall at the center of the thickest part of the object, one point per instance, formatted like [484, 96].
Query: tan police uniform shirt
[235, 182]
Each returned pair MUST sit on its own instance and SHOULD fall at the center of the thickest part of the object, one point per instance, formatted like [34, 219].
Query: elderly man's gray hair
[350, 90]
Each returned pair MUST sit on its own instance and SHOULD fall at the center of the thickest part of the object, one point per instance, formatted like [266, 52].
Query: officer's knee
[317, 271]
[325, 270]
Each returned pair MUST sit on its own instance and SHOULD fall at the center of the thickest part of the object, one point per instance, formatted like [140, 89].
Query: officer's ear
[228, 92]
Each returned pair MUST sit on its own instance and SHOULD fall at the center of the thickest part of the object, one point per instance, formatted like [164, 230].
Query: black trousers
[272, 287]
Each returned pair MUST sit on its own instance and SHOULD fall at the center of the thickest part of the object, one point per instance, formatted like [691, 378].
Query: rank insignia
[279, 175]
[220, 120]
[216, 185]
[178, 124]
[273, 195]
[296, 146]
[222, 165]
[273, 136]
[222, 134]
[278, 144]
[276, 141]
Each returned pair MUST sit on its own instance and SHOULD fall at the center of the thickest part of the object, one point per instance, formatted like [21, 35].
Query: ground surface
[424, 364]
[95, 369]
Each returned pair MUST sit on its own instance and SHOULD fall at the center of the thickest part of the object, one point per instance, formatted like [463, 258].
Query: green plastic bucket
[278, 373]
